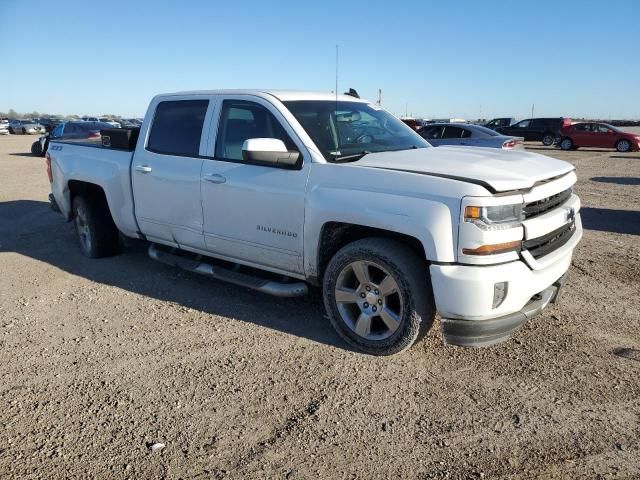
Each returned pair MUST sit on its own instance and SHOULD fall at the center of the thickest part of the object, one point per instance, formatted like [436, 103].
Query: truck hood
[495, 169]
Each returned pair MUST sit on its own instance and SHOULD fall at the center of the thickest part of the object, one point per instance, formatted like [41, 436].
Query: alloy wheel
[624, 146]
[82, 227]
[368, 300]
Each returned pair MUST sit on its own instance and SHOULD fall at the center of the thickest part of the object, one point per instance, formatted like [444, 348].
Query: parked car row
[567, 134]
[69, 131]
[114, 123]
[25, 127]
[467, 134]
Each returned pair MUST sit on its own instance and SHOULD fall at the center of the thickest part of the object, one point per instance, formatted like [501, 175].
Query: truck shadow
[618, 180]
[607, 220]
[32, 229]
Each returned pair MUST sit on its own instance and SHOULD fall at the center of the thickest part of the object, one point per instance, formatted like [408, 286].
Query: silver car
[470, 135]
[25, 127]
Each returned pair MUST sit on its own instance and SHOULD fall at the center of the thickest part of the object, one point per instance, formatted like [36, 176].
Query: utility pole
[379, 96]
[532, 109]
[336, 73]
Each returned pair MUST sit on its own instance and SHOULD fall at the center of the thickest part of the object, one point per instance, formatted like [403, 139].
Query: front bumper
[471, 333]
[465, 294]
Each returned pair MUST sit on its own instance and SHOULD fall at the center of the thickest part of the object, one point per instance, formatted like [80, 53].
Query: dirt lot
[100, 359]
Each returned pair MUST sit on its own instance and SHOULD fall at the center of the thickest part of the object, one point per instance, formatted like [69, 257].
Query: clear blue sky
[434, 58]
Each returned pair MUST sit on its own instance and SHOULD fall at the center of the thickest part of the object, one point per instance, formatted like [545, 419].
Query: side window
[452, 132]
[600, 128]
[582, 127]
[523, 124]
[466, 133]
[57, 131]
[431, 133]
[177, 127]
[70, 129]
[241, 120]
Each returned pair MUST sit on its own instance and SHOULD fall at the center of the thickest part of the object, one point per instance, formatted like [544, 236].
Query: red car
[599, 135]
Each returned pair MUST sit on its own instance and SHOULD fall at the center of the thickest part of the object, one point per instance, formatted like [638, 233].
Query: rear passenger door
[253, 213]
[166, 171]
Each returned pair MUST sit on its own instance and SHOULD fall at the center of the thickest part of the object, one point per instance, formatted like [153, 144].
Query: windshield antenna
[336, 78]
[335, 115]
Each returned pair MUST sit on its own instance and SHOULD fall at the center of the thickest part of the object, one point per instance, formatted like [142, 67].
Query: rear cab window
[177, 127]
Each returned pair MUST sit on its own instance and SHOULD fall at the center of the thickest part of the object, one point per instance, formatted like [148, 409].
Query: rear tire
[623, 146]
[378, 296]
[97, 234]
[36, 148]
[566, 144]
[548, 139]
[24, 131]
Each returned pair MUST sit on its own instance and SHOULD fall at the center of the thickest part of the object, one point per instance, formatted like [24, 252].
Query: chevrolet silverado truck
[280, 190]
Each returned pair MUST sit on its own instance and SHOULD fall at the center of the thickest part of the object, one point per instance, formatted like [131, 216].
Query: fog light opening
[500, 290]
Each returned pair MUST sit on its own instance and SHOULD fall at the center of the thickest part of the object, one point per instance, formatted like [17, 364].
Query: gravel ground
[101, 359]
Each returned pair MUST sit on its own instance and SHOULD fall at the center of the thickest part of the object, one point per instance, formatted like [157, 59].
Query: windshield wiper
[352, 157]
[408, 147]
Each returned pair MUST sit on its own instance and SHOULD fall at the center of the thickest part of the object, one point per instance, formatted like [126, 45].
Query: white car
[110, 121]
[25, 127]
[311, 188]
[4, 127]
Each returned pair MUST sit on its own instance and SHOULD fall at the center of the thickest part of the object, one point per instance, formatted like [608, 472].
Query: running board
[198, 265]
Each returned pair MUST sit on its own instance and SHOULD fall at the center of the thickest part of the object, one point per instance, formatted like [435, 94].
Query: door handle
[215, 178]
[144, 168]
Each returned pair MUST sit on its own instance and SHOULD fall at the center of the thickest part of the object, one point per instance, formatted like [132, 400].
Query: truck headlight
[498, 217]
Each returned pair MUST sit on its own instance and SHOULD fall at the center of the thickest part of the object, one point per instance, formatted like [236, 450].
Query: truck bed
[90, 161]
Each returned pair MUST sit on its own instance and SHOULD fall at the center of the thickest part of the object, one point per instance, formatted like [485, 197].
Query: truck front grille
[541, 246]
[533, 209]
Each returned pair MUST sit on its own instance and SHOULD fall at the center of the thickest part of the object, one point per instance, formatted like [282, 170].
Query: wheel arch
[79, 187]
[335, 235]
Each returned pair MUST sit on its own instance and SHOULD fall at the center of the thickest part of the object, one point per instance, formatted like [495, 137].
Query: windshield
[344, 129]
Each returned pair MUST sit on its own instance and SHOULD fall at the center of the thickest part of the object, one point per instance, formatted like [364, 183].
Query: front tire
[378, 296]
[566, 144]
[623, 146]
[548, 139]
[97, 234]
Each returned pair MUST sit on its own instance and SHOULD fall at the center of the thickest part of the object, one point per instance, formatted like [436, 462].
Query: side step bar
[198, 265]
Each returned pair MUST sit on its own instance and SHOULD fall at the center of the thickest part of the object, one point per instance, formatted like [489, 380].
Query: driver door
[253, 213]
[603, 136]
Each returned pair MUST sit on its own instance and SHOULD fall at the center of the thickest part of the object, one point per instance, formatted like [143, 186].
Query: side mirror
[269, 151]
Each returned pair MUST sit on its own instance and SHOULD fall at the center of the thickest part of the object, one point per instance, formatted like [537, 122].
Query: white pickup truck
[276, 190]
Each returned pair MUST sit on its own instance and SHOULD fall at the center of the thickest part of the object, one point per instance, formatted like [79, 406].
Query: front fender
[426, 220]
